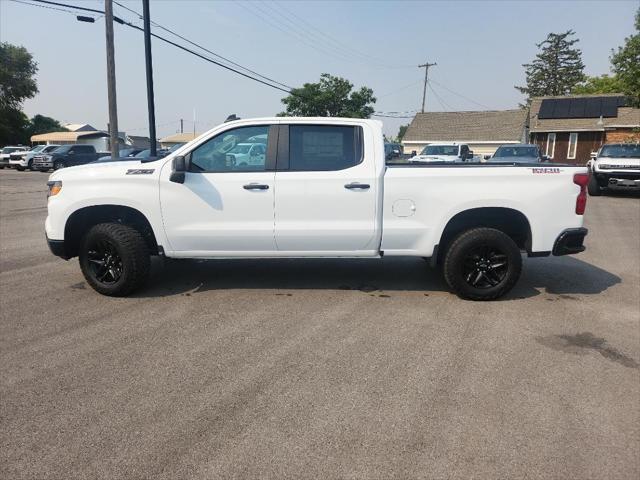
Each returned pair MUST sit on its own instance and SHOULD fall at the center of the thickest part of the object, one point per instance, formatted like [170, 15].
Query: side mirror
[593, 155]
[179, 168]
[487, 157]
[545, 158]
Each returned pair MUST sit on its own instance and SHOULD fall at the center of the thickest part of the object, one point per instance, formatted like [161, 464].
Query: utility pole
[149, 68]
[181, 125]
[426, 79]
[111, 81]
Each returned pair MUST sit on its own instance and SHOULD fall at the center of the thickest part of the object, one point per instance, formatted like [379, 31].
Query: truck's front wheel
[482, 264]
[114, 259]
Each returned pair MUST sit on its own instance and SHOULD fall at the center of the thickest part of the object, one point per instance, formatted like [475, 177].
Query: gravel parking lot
[318, 369]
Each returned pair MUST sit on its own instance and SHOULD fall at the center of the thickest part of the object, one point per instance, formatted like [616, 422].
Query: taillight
[581, 179]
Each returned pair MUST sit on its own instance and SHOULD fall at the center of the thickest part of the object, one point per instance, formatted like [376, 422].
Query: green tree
[402, 131]
[330, 97]
[626, 64]
[557, 68]
[17, 83]
[41, 124]
[601, 84]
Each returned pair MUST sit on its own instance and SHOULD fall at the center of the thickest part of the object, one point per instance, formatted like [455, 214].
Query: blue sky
[479, 47]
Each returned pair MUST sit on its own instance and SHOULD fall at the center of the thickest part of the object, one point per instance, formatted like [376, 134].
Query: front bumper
[57, 248]
[42, 165]
[630, 179]
[570, 241]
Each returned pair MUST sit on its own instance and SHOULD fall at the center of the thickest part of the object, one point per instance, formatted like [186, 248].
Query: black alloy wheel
[104, 261]
[485, 267]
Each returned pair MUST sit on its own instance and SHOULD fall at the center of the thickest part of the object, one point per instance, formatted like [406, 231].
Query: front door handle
[357, 186]
[256, 186]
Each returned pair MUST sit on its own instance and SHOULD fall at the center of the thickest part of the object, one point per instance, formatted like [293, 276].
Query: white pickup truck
[322, 190]
[444, 152]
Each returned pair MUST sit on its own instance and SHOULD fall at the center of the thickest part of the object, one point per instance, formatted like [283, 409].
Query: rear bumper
[570, 241]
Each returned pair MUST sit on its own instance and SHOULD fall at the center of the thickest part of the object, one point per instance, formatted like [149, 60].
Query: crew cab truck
[323, 190]
[616, 165]
[66, 156]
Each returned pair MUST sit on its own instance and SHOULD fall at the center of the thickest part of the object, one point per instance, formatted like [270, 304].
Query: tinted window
[516, 152]
[231, 151]
[440, 150]
[84, 149]
[322, 148]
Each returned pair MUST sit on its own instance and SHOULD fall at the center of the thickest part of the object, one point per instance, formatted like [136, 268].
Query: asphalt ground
[318, 369]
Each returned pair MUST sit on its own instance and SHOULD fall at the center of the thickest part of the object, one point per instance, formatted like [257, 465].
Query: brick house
[569, 128]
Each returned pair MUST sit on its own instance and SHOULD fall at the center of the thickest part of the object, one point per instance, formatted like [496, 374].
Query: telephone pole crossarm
[426, 79]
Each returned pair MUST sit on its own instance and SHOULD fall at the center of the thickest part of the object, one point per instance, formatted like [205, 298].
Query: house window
[573, 146]
[551, 144]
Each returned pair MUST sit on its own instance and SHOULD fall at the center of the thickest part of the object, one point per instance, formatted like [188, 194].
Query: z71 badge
[545, 170]
[140, 171]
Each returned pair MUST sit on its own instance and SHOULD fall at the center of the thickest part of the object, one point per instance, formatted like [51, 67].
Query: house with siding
[483, 131]
[569, 128]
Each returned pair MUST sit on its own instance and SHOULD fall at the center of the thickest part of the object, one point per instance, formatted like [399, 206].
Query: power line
[442, 103]
[205, 49]
[324, 37]
[181, 47]
[47, 7]
[461, 96]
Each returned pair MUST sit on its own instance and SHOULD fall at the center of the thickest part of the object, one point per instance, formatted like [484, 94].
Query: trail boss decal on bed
[546, 170]
[140, 171]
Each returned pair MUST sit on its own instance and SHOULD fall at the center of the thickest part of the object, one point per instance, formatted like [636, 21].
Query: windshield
[241, 148]
[9, 149]
[144, 154]
[516, 152]
[62, 149]
[175, 147]
[50, 148]
[621, 151]
[38, 148]
[440, 150]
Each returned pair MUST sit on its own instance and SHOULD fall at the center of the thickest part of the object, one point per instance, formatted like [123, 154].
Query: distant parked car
[392, 150]
[615, 165]
[517, 153]
[247, 154]
[7, 151]
[66, 156]
[444, 152]
[23, 160]
[124, 154]
[146, 154]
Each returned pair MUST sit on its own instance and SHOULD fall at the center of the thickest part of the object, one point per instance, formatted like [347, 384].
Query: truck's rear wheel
[482, 264]
[114, 259]
[593, 187]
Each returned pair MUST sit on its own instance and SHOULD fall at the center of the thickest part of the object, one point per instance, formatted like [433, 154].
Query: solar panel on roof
[589, 107]
[593, 108]
[562, 108]
[546, 109]
[609, 107]
[577, 107]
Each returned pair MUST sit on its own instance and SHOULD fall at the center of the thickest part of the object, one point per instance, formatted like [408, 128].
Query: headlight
[54, 188]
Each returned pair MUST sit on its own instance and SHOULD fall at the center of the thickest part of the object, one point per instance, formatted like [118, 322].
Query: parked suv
[66, 156]
[7, 151]
[24, 159]
[615, 165]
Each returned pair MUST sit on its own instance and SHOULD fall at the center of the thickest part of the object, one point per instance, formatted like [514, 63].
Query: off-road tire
[132, 249]
[593, 187]
[458, 257]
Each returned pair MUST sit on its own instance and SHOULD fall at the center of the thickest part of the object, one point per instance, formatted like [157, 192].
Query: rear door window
[324, 147]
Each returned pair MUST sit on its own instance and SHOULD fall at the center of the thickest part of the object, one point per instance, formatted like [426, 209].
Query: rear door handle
[256, 186]
[357, 186]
